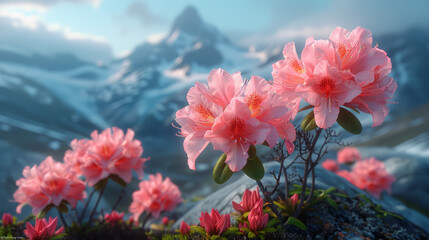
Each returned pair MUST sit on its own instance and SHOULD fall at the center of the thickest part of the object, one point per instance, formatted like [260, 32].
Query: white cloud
[44, 3]
[30, 33]
[141, 12]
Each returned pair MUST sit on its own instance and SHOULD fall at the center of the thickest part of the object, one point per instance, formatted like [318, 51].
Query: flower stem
[62, 219]
[306, 172]
[268, 199]
[145, 219]
[120, 197]
[86, 206]
[96, 204]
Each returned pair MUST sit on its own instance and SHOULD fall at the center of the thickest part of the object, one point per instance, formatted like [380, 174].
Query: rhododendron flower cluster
[49, 183]
[369, 174]
[345, 70]
[214, 223]
[154, 196]
[43, 229]
[232, 116]
[107, 153]
[348, 155]
[114, 217]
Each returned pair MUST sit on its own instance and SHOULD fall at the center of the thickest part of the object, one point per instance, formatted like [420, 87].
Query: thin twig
[268, 199]
[86, 206]
[306, 170]
[62, 219]
[96, 204]
[145, 219]
[121, 196]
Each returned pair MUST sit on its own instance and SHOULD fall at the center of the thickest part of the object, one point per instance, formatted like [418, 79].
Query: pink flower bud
[113, 218]
[294, 199]
[214, 223]
[42, 229]
[165, 220]
[249, 200]
[184, 228]
[7, 219]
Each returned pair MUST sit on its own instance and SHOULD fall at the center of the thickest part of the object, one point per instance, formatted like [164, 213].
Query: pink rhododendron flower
[49, 183]
[233, 115]
[205, 104]
[154, 196]
[7, 219]
[267, 106]
[110, 152]
[42, 230]
[257, 219]
[288, 74]
[214, 223]
[342, 71]
[327, 90]
[114, 217]
[330, 165]
[377, 94]
[348, 155]
[74, 157]
[184, 228]
[354, 52]
[371, 175]
[235, 131]
[249, 200]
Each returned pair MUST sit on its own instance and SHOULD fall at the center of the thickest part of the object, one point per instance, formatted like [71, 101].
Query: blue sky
[113, 27]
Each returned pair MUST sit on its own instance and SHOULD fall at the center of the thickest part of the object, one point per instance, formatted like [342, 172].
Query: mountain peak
[190, 22]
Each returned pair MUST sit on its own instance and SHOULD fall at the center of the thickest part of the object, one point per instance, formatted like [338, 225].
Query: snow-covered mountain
[46, 101]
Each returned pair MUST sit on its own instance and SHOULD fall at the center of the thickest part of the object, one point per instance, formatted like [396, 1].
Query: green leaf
[101, 184]
[272, 222]
[297, 223]
[230, 231]
[63, 207]
[251, 235]
[197, 229]
[118, 180]
[221, 171]
[59, 236]
[215, 237]
[254, 168]
[364, 197]
[42, 213]
[252, 152]
[349, 122]
[309, 123]
[306, 108]
[270, 230]
[246, 214]
[332, 203]
[340, 195]
[329, 190]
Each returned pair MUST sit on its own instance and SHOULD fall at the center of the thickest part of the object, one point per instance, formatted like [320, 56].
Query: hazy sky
[101, 29]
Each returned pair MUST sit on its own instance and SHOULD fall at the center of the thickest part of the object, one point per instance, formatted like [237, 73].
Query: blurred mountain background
[59, 90]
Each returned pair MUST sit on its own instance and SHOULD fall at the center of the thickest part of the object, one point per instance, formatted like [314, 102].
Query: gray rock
[232, 191]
